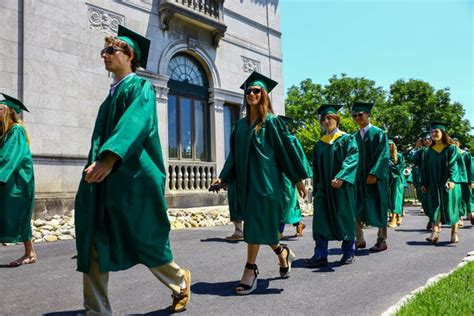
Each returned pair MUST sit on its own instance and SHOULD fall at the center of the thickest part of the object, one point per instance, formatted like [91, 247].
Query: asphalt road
[369, 286]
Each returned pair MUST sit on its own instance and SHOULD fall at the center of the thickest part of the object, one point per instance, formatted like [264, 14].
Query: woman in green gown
[441, 182]
[397, 184]
[261, 152]
[17, 183]
[335, 162]
[465, 166]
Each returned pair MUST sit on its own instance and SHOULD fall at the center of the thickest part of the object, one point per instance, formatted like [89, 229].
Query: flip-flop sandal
[23, 260]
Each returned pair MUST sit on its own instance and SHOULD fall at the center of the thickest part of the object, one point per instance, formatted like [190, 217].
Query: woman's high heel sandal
[454, 238]
[290, 257]
[244, 289]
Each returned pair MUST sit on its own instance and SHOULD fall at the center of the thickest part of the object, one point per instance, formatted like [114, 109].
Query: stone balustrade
[190, 176]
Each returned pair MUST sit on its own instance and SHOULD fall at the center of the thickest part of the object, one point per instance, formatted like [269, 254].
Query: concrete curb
[392, 310]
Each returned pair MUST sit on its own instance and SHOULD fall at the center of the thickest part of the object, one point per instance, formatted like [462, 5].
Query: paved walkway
[367, 287]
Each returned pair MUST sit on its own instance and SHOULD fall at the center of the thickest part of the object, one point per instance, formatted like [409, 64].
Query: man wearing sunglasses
[120, 209]
[372, 177]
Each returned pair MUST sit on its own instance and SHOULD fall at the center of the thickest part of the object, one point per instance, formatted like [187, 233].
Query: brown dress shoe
[379, 246]
[181, 300]
[299, 229]
[360, 244]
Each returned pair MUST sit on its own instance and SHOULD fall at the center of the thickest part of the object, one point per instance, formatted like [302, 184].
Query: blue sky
[382, 40]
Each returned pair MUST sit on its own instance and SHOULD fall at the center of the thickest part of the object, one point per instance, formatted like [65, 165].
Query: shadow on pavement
[228, 288]
[362, 252]
[421, 230]
[67, 313]
[218, 239]
[160, 312]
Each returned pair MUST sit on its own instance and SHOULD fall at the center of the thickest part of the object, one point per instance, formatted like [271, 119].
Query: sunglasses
[253, 90]
[357, 114]
[110, 50]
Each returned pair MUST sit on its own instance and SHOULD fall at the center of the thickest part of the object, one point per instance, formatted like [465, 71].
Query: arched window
[187, 109]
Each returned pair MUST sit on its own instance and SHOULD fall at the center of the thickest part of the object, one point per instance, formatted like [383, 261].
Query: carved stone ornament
[104, 20]
[250, 65]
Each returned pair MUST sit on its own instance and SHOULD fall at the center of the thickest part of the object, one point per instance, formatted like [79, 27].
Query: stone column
[160, 83]
[216, 129]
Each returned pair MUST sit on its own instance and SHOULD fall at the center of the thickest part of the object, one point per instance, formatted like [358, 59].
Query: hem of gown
[14, 239]
[124, 267]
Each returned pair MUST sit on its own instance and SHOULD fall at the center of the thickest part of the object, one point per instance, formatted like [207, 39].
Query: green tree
[413, 104]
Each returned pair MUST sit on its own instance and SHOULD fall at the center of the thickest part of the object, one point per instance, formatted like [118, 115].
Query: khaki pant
[96, 300]
[381, 233]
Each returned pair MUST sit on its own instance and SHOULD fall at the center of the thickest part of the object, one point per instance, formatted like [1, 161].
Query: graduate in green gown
[372, 187]
[261, 151]
[17, 182]
[335, 162]
[415, 156]
[441, 180]
[120, 208]
[291, 207]
[397, 184]
[465, 162]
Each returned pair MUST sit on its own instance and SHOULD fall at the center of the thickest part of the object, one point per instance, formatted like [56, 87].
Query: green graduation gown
[17, 186]
[397, 184]
[256, 162]
[416, 157]
[125, 215]
[291, 206]
[373, 199]
[438, 168]
[467, 198]
[334, 215]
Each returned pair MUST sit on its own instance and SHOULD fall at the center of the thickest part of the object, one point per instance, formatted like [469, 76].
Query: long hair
[445, 139]
[394, 152]
[264, 106]
[9, 120]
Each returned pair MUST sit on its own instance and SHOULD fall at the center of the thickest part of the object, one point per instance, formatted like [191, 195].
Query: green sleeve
[348, 171]
[380, 168]
[227, 173]
[315, 171]
[288, 152]
[452, 163]
[135, 124]
[12, 152]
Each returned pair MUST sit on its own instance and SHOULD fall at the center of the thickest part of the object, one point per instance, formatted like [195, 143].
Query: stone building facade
[201, 52]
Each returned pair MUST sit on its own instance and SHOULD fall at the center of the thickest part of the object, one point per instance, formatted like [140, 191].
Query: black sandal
[290, 257]
[244, 289]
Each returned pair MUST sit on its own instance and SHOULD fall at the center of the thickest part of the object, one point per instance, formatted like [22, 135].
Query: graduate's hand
[371, 179]
[217, 181]
[302, 191]
[418, 143]
[450, 185]
[424, 189]
[100, 169]
[336, 183]
[472, 185]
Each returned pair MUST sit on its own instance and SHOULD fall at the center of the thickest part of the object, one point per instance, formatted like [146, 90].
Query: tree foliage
[403, 111]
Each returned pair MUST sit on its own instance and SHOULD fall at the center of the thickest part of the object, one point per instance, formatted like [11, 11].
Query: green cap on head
[13, 103]
[139, 44]
[439, 125]
[425, 133]
[362, 107]
[257, 79]
[326, 109]
[456, 137]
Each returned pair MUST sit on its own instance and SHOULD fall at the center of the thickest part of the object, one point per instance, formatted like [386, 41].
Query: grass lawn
[452, 295]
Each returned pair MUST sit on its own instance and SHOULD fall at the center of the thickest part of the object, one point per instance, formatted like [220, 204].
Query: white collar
[114, 85]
